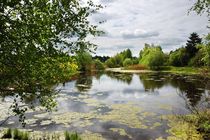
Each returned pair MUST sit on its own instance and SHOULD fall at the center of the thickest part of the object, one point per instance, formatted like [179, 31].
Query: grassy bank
[204, 71]
[20, 134]
[186, 70]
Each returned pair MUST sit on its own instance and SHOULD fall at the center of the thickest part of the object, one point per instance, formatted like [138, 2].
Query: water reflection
[102, 102]
[123, 77]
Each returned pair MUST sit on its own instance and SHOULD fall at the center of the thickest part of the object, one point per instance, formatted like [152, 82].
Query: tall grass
[71, 136]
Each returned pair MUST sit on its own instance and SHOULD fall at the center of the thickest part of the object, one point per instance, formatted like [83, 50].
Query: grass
[205, 71]
[8, 134]
[71, 136]
[24, 135]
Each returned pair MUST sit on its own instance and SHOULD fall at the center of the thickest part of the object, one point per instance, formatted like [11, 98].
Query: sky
[132, 23]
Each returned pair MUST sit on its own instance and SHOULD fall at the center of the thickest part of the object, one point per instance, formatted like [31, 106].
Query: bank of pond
[113, 105]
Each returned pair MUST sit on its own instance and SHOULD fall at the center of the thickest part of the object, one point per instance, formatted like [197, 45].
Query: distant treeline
[195, 53]
[101, 58]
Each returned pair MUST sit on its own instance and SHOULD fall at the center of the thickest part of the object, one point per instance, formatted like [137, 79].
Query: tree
[127, 62]
[152, 56]
[178, 57]
[191, 49]
[84, 61]
[99, 65]
[201, 6]
[35, 42]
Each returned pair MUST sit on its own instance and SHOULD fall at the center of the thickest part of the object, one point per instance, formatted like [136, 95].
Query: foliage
[151, 56]
[205, 50]
[84, 61]
[71, 136]
[8, 134]
[201, 6]
[191, 49]
[34, 57]
[99, 65]
[201, 120]
[178, 57]
[101, 58]
[127, 62]
[117, 60]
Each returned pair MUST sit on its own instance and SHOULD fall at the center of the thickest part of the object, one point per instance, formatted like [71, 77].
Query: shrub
[99, 65]
[127, 62]
[152, 56]
[136, 67]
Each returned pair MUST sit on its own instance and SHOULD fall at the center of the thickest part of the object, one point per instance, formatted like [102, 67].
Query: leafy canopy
[36, 37]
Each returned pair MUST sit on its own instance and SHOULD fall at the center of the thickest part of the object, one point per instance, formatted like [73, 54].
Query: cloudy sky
[132, 23]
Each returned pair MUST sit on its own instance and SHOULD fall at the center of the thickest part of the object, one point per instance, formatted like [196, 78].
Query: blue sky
[132, 23]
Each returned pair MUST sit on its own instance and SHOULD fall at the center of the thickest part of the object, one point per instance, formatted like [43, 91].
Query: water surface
[120, 106]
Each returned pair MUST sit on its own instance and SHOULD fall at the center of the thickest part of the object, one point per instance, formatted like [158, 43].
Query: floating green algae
[91, 136]
[121, 131]
[71, 117]
[126, 114]
[154, 125]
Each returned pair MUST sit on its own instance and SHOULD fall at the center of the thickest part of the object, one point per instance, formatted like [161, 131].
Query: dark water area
[120, 106]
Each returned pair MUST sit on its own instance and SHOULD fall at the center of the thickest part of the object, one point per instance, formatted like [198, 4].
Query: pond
[118, 106]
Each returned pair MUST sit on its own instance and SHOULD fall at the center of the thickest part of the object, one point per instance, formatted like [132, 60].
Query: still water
[120, 106]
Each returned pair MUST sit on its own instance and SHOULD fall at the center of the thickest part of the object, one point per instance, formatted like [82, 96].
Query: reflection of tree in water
[191, 88]
[152, 81]
[123, 77]
[84, 82]
[26, 101]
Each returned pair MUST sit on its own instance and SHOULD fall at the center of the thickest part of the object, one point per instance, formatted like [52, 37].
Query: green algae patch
[165, 107]
[125, 114]
[73, 117]
[147, 114]
[91, 136]
[155, 125]
[121, 131]
[180, 129]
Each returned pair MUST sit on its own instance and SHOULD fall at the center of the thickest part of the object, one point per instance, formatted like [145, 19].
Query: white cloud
[132, 23]
[138, 34]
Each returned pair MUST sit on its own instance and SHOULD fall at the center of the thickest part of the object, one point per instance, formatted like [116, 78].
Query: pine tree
[191, 49]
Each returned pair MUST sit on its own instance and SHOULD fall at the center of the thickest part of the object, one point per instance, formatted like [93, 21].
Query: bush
[178, 58]
[136, 67]
[84, 60]
[127, 62]
[152, 56]
[99, 65]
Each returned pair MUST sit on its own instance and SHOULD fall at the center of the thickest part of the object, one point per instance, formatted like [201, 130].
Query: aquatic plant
[16, 134]
[71, 136]
[8, 134]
